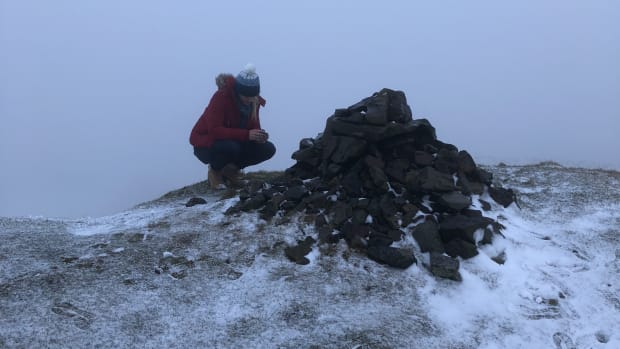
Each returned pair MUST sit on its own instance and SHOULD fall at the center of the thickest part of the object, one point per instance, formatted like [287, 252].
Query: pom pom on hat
[249, 70]
[247, 82]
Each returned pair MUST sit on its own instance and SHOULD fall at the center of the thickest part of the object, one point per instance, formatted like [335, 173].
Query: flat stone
[377, 111]
[399, 111]
[306, 143]
[447, 161]
[396, 170]
[466, 163]
[430, 180]
[296, 193]
[374, 133]
[460, 226]
[469, 186]
[461, 248]
[348, 148]
[310, 156]
[253, 203]
[422, 158]
[427, 236]
[455, 201]
[502, 196]
[340, 213]
[394, 257]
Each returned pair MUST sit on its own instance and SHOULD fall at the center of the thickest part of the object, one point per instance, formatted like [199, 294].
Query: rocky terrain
[380, 236]
[166, 275]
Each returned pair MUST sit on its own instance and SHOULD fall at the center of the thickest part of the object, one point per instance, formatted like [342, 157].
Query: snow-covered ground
[164, 275]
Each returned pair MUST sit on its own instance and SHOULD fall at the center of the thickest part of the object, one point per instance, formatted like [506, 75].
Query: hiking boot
[216, 181]
[231, 174]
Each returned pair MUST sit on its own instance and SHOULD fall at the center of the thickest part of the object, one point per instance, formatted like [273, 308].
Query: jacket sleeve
[198, 137]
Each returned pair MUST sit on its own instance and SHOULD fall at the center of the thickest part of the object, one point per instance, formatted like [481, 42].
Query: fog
[97, 98]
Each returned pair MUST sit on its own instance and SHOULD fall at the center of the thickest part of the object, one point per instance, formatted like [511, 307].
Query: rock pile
[376, 174]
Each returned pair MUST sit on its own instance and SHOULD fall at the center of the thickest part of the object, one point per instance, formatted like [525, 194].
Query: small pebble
[539, 300]
[602, 337]
[553, 302]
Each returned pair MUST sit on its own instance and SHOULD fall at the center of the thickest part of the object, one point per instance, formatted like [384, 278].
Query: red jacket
[221, 119]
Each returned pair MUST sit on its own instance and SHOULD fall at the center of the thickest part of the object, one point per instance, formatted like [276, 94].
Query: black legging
[242, 154]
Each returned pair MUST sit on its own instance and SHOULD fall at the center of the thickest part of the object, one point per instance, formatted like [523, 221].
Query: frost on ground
[165, 275]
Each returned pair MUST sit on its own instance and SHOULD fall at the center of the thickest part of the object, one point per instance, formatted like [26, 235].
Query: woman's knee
[269, 150]
[202, 153]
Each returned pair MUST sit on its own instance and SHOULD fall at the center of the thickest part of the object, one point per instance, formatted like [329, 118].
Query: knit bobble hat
[247, 82]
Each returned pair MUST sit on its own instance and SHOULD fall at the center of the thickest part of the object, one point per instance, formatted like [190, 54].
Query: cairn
[375, 174]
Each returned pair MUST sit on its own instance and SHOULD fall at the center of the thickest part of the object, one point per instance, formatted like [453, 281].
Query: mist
[97, 99]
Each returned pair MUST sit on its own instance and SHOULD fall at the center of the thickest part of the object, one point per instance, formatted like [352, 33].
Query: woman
[228, 135]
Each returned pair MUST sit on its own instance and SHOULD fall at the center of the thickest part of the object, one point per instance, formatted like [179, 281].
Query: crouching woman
[228, 135]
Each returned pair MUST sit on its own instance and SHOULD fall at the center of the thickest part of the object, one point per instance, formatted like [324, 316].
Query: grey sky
[97, 98]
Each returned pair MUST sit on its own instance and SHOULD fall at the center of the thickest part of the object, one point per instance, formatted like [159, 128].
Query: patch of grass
[202, 188]
[199, 188]
[548, 163]
[265, 176]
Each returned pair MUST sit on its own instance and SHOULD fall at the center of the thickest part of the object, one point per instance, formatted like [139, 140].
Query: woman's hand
[258, 135]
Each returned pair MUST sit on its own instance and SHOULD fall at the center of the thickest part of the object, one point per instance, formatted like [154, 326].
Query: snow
[138, 218]
[559, 286]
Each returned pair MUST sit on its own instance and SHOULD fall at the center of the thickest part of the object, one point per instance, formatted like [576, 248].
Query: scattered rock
[176, 266]
[602, 337]
[561, 295]
[500, 258]
[179, 274]
[502, 196]
[445, 267]
[69, 259]
[298, 253]
[486, 206]
[195, 201]
[563, 341]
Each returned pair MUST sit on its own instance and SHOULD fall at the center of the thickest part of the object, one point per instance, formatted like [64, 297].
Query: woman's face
[248, 100]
